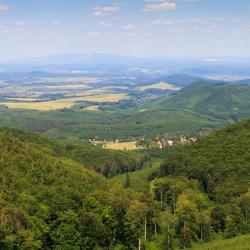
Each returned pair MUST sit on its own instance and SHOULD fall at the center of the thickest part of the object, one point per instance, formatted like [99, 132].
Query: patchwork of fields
[63, 103]
[55, 93]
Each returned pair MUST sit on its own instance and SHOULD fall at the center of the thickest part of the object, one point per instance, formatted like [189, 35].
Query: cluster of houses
[165, 141]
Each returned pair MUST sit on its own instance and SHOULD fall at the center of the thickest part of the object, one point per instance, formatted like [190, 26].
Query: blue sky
[145, 28]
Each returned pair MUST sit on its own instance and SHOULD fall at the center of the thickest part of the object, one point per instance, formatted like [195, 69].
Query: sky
[139, 28]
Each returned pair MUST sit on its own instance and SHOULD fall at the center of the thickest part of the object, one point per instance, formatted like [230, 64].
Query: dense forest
[53, 198]
[52, 202]
[107, 162]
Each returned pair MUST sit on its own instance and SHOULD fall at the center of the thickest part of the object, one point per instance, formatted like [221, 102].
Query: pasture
[63, 103]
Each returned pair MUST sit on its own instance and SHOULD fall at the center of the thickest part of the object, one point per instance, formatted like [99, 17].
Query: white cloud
[94, 33]
[4, 29]
[191, 1]
[56, 23]
[98, 34]
[159, 6]
[19, 23]
[4, 7]
[98, 11]
[162, 22]
[106, 25]
[211, 60]
[129, 27]
[130, 34]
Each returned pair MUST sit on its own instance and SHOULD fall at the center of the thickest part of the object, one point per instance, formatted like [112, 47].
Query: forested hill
[223, 101]
[220, 165]
[50, 202]
[220, 161]
[107, 162]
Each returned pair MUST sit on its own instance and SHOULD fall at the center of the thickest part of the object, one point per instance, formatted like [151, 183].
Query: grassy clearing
[91, 108]
[238, 243]
[64, 103]
[69, 80]
[160, 85]
[68, 87]
[88, 93]
[131, 145]
[24, 99]
[139, 179]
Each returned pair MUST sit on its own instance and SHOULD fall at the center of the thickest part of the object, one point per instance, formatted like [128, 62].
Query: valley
[114, 108]
[102, 160]
[124, 125]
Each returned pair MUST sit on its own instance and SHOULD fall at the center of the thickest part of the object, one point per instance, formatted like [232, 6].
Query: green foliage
[219, 161]
[127, 181]
[53, 202]
[139, 179]
[223, 101]
[105, 161]
[238, 243]
[208, 191]
[51, 199]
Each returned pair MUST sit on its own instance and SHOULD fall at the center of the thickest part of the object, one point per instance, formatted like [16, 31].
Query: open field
[67, 87]
[64, 103]
[131, 145]
[88, 93]
[237, 243]
[139, 179]
[23, 99]
[69, 80]
[91, 108]
[160, 85]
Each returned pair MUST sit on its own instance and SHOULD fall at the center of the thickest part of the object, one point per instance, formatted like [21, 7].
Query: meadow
[140, 179]
[63, 103]
[160, 85]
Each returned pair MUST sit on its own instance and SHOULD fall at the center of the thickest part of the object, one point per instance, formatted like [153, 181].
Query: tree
[186, 214]
[127, 181]
[245, 210]
[167, 223]
[66, 235]
[135, 222]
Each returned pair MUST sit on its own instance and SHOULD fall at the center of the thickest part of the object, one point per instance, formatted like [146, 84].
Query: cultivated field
[117, 145]
[64, 103]
[67, 87]
[160, 85]
[69, 80]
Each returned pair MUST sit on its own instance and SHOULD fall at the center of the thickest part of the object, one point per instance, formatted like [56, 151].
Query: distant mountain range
[213, 68]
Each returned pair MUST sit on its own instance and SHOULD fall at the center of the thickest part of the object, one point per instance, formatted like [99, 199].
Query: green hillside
[139, 180]
[219, 165]
[219, 161]
[223, 101]
[200, 106]
[53, 202]
[237, 243]
[105, 161]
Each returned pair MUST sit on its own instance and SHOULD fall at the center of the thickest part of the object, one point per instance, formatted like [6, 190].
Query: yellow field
[117, 145]
[91, 108]
[66, 87]
[160, 85]
[69, 80]
[64, 103]
[105, 98]
[28, 99]
[88, 93]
